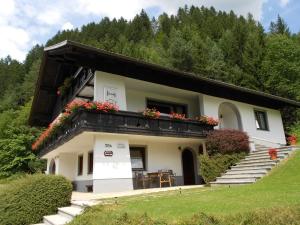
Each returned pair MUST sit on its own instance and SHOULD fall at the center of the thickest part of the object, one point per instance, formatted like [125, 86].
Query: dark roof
[64, 59]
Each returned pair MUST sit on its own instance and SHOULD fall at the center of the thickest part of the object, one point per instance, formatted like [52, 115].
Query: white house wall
[136, 101]
[111, 173]
[273, 137]
[106, 81]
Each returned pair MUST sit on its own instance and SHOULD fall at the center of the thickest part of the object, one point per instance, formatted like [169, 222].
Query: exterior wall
[167, 156]
[108, 82]
[132, 98]
[67, 165]
[111, 173]
[136, 101]
[273, 137]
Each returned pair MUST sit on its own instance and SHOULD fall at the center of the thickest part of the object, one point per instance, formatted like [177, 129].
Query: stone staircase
[66, 214]
[256, 165]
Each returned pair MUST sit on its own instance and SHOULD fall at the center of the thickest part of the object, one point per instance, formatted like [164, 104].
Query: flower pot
[273, 156]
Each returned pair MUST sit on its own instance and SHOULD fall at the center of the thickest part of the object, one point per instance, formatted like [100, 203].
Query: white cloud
[38, 20]
[283, 3]
[14, 42]
[67, 26]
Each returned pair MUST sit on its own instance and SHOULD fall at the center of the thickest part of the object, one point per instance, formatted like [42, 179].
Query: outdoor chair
[164, 177]
[140, 178]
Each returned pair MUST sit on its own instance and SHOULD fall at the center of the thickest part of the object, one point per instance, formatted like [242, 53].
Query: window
[166, 107]
[261, 120]
[80, 165]
[137, 156]
[90, 162]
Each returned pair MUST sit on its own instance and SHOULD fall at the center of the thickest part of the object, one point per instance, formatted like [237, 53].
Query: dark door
[188, 167]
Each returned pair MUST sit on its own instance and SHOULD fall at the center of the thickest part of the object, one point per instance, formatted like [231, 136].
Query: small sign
[121, 145]
[108, 153]
[110, 95]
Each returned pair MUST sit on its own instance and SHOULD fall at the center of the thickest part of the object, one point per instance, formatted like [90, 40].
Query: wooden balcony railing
[124, 122]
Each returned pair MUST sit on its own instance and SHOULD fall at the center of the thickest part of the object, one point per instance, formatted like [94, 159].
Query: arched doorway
[229, 117]
[188, 167]
[52, 167]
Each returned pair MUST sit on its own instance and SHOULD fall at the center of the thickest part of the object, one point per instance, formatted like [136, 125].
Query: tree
[280, 27]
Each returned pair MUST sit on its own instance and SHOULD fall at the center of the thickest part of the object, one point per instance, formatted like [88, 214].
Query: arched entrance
[188, 167]
[229, 117]
[52, 167]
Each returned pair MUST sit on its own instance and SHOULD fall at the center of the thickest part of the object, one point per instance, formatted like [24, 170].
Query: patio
[91, 198]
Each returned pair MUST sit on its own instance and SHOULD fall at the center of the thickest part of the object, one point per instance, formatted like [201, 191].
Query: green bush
[213, 166]
[26, 200]
[227, 142]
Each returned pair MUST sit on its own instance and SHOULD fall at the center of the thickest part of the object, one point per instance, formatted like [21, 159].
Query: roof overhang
[63, 60]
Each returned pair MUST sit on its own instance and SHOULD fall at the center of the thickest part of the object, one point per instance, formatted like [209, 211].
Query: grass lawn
[279, 189]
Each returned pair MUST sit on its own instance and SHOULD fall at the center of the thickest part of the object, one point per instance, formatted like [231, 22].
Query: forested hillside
[213, 44]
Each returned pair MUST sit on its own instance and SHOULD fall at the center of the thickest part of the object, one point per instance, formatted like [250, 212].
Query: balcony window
[137, 156]
[167, 107]
[261, 120]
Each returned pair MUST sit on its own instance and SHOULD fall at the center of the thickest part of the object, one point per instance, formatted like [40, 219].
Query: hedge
[227, 142]
[213, 166]
[26, 200]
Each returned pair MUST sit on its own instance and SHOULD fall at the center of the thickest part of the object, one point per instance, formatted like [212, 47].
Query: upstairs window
[137, 156]
[261, 120]
[90, 162]
[167, 107]
[80, 165]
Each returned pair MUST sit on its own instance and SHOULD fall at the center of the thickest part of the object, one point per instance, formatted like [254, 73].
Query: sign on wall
[111, 95]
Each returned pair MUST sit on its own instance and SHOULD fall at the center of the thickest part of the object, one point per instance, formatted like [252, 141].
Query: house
[102, 151]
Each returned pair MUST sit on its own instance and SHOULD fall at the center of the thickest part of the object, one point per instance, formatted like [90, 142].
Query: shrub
[26, 200]
[227, 142]
[213, 166]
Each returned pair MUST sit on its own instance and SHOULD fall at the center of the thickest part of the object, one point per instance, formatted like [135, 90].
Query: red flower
[177, 116]
[208, 120]
[68, 111]
[151, 113]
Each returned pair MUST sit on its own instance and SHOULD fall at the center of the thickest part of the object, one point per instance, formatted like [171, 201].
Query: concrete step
[233, 182]
[249, 157]
[252, 161]
[240, 176]
[56, 220]
[236, 180]
[70, 211]
[267, 151]
[256, 164]
[84, 204]
[236, 172]
[250, 167]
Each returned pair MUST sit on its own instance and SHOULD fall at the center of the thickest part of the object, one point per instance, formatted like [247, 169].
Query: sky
[25, 23]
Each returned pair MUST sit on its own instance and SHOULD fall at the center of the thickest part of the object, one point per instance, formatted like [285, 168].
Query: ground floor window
[261, 120]
[90, 162]
[137, 156]
[80, 165]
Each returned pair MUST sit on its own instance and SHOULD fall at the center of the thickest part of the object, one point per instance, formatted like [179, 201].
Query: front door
[188, 167]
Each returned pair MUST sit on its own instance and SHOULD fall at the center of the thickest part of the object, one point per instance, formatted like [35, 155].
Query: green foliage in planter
[213, 166]
[26, 200]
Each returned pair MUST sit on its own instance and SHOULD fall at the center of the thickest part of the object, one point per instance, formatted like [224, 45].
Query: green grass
[279, 189]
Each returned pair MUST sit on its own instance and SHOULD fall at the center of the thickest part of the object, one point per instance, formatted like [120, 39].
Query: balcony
[124, 122]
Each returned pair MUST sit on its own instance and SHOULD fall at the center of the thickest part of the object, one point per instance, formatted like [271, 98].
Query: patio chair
[173, 177]
[164, 177]
[140, 178]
